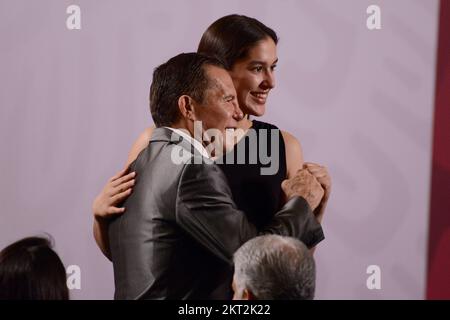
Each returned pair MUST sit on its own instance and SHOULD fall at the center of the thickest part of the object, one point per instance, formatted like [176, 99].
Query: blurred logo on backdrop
[374, 280]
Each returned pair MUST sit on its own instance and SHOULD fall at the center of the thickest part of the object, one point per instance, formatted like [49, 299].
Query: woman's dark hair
[31, 270]
[229, 38]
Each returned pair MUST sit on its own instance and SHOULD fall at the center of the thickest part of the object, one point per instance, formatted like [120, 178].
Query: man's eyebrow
[255, 62]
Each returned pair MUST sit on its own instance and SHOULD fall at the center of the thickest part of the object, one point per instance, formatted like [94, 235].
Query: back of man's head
[273, 267]
[183, 74]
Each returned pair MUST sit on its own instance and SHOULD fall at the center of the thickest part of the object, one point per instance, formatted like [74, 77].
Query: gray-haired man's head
[273, 267]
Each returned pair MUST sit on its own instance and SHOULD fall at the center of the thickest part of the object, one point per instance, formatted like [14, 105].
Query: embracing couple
[184, 220]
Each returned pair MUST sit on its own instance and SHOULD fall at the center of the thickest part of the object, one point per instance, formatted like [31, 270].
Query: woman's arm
[294, 162]
[294, 154]
[116, 191]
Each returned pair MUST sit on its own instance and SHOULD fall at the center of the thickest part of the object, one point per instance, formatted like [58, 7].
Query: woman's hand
[115, 191]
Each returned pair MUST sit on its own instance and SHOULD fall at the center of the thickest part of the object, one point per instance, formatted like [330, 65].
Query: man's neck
[194, 138]
[183, 128]
[195, 130]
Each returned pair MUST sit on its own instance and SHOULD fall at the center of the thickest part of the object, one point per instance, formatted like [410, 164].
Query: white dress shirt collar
[197, 144]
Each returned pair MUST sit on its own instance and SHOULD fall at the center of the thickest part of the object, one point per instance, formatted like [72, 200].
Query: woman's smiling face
[253, 77]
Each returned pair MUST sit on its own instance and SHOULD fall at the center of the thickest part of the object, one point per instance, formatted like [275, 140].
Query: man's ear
[186, 107]
[248, 295]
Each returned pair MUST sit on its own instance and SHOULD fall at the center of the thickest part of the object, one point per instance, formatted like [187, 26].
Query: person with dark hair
[182, 227]
[230, 38]
[31, 270]
[247, 48]
[274, 267]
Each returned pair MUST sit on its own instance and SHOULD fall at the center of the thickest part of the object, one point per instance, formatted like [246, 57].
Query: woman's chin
[256, 110]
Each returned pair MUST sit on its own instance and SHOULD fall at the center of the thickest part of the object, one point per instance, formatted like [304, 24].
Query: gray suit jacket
[181, 227]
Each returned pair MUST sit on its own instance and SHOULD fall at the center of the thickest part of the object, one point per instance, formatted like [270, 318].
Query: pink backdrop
[360, 101]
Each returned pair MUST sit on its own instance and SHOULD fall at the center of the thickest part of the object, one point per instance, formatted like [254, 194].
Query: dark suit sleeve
[206, 211]
[297, 220]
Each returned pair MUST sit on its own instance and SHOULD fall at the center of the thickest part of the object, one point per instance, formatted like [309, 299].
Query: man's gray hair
[274, 267]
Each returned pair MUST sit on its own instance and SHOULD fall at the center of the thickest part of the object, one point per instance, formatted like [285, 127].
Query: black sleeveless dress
[256, 193]
[259, 196]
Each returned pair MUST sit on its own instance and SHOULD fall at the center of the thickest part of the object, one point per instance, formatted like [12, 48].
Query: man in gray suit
[177, 239]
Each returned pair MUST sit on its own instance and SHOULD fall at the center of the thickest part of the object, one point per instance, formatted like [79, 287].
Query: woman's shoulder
[144, 138]
[140, 143]
[289, 139]
[294, 153]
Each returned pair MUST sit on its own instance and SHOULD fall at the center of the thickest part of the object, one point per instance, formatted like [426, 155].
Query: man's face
[220, 107]
[236, 294]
